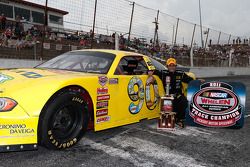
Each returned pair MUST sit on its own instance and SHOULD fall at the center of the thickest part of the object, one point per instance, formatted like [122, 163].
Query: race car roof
[116, 52]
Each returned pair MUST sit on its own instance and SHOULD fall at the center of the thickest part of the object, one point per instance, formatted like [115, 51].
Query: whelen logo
[209, 101]
[214, 104]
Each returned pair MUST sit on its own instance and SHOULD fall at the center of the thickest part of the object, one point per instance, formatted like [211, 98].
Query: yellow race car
[54, 103]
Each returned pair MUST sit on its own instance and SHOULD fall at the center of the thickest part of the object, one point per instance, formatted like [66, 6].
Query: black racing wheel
[64, 121]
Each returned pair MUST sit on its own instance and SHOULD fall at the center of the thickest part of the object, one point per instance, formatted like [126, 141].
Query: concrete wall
[204, 72]
[201, 72]
[17, 63]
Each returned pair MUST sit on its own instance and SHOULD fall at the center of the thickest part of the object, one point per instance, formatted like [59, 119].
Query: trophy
[167, 116]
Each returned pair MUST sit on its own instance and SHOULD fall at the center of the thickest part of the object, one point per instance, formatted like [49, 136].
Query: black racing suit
[180, 102]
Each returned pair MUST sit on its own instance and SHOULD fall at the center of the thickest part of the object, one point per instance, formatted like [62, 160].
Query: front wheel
[64, 121]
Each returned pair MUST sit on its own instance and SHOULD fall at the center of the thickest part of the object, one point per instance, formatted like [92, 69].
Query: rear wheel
[64, 121]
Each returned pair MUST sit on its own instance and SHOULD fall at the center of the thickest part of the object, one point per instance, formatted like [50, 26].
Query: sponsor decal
[103, 97]
[149, 63]
[28, 74]
[215, 94]
[103, 119]
[102, 80]
[17, 128]
[4, 78]
[215, 105]
[102, 104]
[32, 75]
[101, 112]
[102, 91]
[113, 81]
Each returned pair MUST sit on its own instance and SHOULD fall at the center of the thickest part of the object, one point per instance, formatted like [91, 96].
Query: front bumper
[18, 131]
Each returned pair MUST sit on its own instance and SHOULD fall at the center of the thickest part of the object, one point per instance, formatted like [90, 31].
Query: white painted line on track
[162, 153]
[116, 152]
[202, 133]
[188, 131]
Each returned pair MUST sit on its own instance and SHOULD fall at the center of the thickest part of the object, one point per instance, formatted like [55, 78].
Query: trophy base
[166, 121]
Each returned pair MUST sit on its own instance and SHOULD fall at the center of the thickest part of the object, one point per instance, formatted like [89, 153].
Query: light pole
[202, 43]
[131, 21]
[93, 28]
[45, 24]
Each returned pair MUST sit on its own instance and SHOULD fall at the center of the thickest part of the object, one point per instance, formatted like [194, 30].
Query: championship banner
[216, 104]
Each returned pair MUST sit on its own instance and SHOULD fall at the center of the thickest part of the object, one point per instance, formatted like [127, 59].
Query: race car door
[137, 94]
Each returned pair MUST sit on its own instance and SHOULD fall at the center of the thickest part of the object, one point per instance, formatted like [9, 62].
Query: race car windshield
[81, 61]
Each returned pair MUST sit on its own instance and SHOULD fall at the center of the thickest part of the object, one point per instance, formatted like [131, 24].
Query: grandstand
[70, 28]
[31, 13]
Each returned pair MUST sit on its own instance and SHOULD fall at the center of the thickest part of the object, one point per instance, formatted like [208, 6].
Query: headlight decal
[7, 104]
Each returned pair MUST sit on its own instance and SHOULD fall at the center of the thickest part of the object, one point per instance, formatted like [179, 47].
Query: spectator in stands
[83, 42]
[210, 42]
[3, 21]
[8, 33]
[19, 43]
[52, 37]
[34, 31]
[18, 18]
[28, 42]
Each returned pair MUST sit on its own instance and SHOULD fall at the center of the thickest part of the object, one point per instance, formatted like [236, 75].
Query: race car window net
[81, 61]
[131, 65]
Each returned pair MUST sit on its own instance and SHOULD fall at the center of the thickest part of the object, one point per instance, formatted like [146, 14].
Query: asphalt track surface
[142, 145]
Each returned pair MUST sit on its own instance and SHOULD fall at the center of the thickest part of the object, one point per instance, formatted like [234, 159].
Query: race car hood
[36, 86]
[22, 78]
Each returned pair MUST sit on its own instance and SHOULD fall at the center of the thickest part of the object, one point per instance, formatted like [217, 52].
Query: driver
[177, 77]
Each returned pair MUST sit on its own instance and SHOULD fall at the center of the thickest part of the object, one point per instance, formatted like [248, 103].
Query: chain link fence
[149, 26]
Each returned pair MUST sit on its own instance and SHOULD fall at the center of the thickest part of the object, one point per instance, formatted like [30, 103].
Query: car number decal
[137, 93]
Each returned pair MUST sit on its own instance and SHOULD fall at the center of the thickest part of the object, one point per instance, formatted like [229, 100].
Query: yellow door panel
[134, 98]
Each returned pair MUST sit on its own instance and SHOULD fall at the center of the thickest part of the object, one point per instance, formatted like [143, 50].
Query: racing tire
[64, 121]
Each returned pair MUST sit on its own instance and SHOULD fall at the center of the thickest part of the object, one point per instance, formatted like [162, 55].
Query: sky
[227, 16]
[231, 16]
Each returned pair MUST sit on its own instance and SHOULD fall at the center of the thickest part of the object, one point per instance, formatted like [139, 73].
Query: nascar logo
[103, 80]
[215, 94]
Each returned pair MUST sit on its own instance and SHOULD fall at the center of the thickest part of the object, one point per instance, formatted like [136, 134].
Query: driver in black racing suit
[177, 77]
